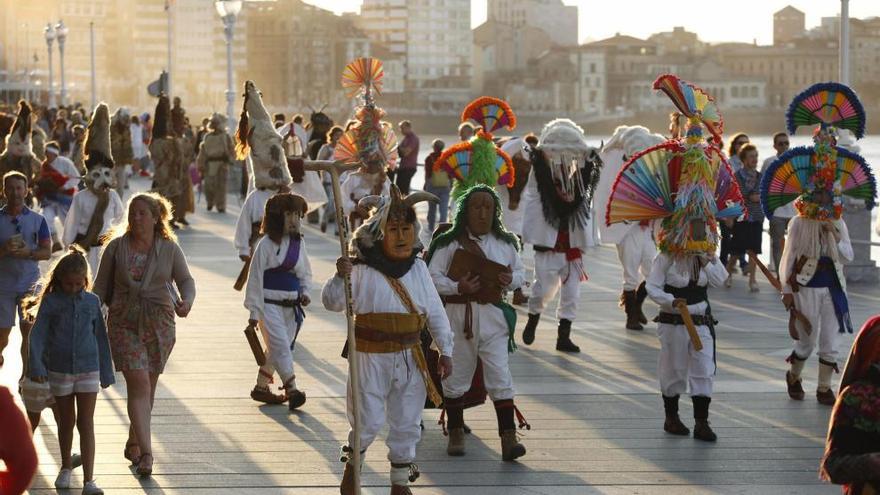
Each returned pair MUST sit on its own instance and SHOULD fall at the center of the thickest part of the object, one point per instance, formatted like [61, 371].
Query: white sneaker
[63, 479]
[90, 488]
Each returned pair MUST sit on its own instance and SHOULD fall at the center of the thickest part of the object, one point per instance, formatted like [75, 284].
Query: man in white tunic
[483, 324]
[277, 291]
[393, 298]
[97, 208]
[557, 198]
[56, 185]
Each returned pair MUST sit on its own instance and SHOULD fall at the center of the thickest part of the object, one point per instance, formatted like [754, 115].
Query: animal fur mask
[256, 135]
[99, 160]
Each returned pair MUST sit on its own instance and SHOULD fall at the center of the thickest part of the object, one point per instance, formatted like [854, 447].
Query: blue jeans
[443, 194]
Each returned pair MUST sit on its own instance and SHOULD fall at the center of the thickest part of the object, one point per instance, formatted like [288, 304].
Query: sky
[717, 20]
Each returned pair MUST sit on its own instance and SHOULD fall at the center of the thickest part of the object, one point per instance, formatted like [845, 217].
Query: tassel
[442, 421]
[241, 134]
[521, 419]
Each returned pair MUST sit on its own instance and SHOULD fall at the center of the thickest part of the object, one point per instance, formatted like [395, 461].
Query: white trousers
[489, 343]
[279, 330]
[681, 366]
[636, 252]
[391, 388]
[551, 272]
[94, 258]
[51, 211]
[816, 305]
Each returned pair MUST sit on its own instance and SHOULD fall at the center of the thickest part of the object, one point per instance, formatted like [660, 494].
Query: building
[296, 54]
[788, 24]
[434, 40]
[559, 21]
[500, 49]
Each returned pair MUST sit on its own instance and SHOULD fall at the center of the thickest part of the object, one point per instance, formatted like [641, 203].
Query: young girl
[277, 290]
[69, 347]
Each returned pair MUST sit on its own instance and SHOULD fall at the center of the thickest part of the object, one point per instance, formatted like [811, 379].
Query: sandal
[144, 469]
[134, 459]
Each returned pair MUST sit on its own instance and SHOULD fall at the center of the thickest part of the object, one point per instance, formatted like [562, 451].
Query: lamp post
[61, 33]
[49, 33]
[229, 10]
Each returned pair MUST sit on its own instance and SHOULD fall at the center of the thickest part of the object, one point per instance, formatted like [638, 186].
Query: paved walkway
[596, 417]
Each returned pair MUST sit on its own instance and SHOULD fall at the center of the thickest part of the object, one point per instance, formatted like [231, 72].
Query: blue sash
[826, 276]
[282, 277]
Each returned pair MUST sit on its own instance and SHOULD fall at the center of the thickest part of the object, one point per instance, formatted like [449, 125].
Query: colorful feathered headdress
[684, 182]
[368, 140]
[480, 161]
[817, 177]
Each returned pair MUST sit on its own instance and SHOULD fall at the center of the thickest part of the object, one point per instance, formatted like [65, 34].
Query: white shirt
[269, 255]
[138, 148]
[665, 270]
[252, 211]
[81, 210]
[359, 184]
[495, 249]
[371, 293]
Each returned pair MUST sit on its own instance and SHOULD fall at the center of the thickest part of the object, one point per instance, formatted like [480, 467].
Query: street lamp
[229, 10]
[49, 33]
[61, 33]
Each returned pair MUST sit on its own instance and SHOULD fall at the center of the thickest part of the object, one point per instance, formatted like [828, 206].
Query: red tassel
[521, 419]
[442, 421]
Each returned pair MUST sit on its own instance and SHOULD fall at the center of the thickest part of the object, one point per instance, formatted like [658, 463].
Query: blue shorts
[10, 304]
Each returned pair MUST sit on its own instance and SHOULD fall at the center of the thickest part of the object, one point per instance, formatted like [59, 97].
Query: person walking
[70, 350]
[437, 183]
[736, 142]
[135, 280]
[782, 215]
[328, 213]
[409, 157]
[24, 241]
[747, 233]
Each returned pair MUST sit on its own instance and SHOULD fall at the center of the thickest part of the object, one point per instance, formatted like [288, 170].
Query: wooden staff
[335, 169]
[682, 308]
[793, 313]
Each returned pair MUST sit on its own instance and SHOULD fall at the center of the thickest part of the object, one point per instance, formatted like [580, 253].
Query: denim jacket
[69, 336]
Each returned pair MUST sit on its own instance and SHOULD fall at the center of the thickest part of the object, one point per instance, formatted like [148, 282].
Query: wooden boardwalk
[596, 417]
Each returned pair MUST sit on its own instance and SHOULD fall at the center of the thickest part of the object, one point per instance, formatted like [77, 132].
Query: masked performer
[368, 139]
[259, 143]
[687, 185]
[19, 154]
[811, 268]
[393, 298]
[98, 207]
[216, 154]
[277, 290]
[472, 265]
[634, 240]
[565, 171]
[167, 155]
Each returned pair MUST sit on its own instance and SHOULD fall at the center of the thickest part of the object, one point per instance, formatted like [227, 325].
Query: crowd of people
[433, 322]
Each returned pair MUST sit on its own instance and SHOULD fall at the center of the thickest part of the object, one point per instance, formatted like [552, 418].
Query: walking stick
[793, 313]
[334, 169]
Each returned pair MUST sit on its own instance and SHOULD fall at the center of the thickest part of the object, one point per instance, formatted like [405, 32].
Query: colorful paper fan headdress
[479, 161]
[369, 139]
[685, 183]
[817, 177]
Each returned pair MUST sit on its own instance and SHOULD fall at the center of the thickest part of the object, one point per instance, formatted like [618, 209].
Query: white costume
[252, 212]
[513, 219]
[815, 302]
[490, 331]
[52, 209]
[391, 385]
[636, 252]
[681, 367]
[279, 324]
[80, 215]
[358, 184]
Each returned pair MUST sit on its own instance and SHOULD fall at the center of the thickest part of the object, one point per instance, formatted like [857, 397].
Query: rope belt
[468, 311]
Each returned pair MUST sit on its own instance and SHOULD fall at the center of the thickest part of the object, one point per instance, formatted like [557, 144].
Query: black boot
[702, 430]
[528, 335]
[563, 340]
[673, 423]
[628, 301]
[641, 294]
